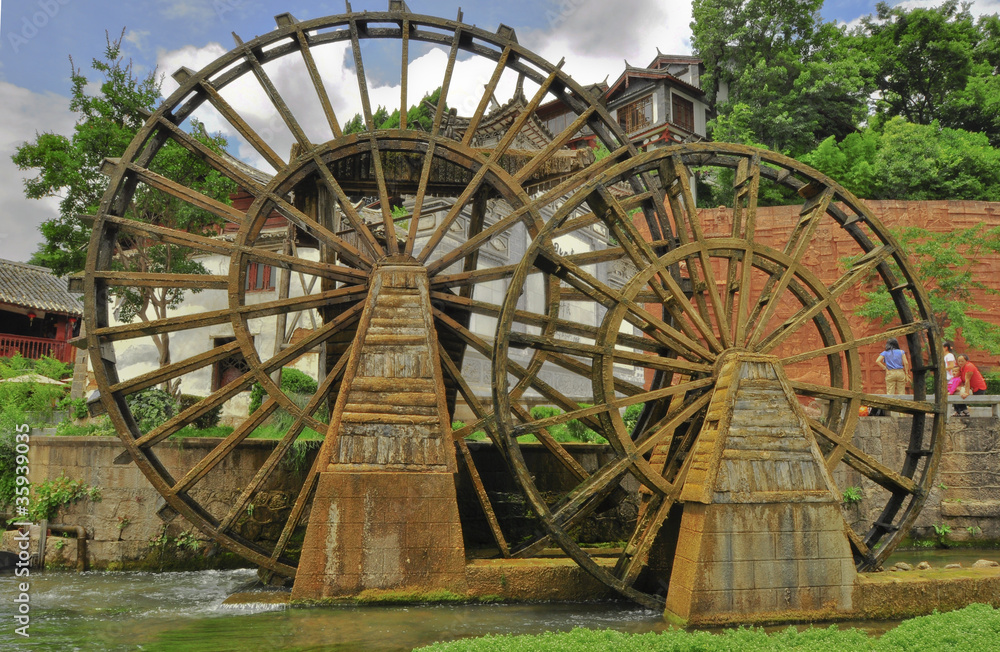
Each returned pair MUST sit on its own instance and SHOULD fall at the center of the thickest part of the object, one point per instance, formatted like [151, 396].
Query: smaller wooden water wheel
[669, 297]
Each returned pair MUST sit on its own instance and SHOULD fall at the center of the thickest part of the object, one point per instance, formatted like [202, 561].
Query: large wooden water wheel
[674, 306]
[571, 281]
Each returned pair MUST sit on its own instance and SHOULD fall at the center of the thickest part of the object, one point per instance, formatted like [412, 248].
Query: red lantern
[31, 317]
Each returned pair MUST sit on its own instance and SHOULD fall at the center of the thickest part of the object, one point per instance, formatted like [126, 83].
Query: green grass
[974, 628]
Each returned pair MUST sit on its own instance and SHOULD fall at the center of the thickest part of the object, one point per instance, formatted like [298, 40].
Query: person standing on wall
[896, 365]
[972, 382]
[951, 369]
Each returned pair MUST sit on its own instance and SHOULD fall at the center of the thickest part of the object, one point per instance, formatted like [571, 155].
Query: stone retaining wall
[124, 531]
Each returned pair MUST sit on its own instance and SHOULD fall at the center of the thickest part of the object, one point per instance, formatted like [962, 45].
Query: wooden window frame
[260, 278]
[682, 110]
[632, 116]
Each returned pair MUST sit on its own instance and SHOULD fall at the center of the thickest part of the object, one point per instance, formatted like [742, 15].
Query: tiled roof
[36, 287]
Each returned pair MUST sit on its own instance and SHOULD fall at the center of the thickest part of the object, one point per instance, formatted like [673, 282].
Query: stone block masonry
[761, 532]
[385, 512]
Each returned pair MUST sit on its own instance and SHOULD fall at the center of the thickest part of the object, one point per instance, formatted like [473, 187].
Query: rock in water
[985, 563]
[923, 566]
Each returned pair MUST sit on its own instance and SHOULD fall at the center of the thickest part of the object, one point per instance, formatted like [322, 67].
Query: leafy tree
[419, 116]
[70, 168]
[902, 160]
[935, 63]
[791, 78]
[945, 263]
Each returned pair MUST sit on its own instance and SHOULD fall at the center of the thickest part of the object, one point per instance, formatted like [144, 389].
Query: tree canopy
[69, 167]
[780, 75]
[935, 64]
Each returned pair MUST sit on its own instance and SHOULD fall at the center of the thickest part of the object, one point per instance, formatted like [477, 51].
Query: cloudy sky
[37, 37]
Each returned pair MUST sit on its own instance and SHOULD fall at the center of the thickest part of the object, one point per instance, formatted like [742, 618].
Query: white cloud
[137, 38]
[25, 114]
[293, 83]
[596, 36]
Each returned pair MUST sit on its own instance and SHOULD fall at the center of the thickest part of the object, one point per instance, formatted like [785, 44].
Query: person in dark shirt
[972, 382]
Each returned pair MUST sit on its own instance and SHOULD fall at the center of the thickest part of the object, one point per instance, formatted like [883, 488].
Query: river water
[185, 611]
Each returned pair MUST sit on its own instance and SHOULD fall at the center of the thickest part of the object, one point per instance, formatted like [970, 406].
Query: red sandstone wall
[831, 245]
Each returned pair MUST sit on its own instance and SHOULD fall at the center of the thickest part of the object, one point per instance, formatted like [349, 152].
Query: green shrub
[77, 407]
[257, 395]
[631, 416]
[52, 368]
[11, 416]
[49, 496]
[150, 408]
[992, 379]
[297, 382]
[208, 420]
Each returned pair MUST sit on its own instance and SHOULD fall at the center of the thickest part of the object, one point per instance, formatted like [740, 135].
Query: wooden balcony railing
[35, 347]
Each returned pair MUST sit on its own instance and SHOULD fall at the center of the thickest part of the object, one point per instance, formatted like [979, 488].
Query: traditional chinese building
[38, 316]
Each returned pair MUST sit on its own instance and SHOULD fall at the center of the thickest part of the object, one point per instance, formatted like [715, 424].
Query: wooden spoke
[540, 320]
[304, 266]
[484, 101]
[317, 82]
[224, 449]
[318, 336]
[404, 71]
[611, 405]
[557, 143]
[860, 270]
[809, 217]
[366, 106]
[359, 225]
[178, 421]
[746, 185]
[899, 331]
[683, 204]
[865, 463]
[182, 192]
[238, 123]
[670, 423]
[425, 171]
[166, 235]
[873, 400]
[262, 475]
[347, 251]
[166, 325]
[176, 370]
[499, 150]
[542, 343]
[272, 94]
[523, 214]
[638, 316]
[159, 280]
[323, 299]
[215, 160]
[635, 556]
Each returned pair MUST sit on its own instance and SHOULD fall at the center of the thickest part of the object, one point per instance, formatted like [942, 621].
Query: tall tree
[936, 63]
[792, 77]
[70, 168]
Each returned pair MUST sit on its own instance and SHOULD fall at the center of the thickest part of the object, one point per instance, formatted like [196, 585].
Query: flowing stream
[185, 611]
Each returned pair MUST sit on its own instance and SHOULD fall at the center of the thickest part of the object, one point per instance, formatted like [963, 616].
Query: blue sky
[37, 37]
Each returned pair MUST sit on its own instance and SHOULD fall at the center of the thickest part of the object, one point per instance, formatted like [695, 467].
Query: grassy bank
[974, 628]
